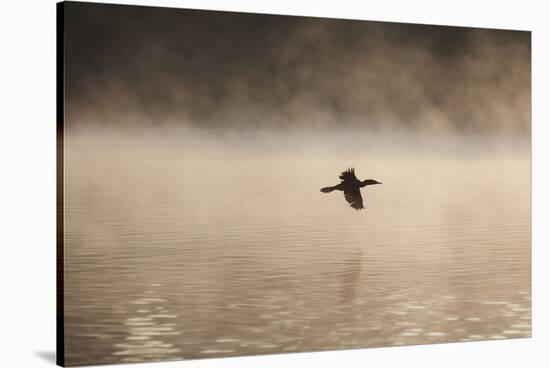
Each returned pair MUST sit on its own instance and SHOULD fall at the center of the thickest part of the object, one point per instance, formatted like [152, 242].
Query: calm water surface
[177, 251]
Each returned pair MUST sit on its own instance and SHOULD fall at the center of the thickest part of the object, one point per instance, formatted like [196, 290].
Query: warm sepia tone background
[32, 342]
[195, 146]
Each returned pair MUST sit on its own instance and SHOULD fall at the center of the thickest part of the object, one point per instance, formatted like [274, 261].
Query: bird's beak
[378, 183]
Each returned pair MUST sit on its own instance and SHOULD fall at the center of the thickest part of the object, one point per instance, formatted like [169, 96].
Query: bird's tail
[327, 189]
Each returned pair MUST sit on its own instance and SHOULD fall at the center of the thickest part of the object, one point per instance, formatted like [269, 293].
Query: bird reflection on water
[351, 186]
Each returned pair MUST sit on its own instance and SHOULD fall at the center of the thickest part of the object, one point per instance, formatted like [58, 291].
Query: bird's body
[351, 186]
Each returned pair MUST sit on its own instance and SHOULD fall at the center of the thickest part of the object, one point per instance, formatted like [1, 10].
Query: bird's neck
[364, 183]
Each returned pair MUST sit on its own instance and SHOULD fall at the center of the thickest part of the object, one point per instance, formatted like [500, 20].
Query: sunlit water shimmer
[186, 249]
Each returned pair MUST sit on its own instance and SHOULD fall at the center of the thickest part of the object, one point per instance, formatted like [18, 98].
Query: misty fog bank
[326, 142]
[157, 67]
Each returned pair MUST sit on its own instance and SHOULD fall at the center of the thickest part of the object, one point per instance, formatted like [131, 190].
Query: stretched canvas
[238, 184]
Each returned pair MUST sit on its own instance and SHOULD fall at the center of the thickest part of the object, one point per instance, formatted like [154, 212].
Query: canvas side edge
[60, 216]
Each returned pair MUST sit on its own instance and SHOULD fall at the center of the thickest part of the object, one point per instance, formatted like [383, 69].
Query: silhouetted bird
[351, 187]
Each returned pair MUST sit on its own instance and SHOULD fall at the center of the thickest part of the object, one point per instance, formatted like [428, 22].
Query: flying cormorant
[351, 187]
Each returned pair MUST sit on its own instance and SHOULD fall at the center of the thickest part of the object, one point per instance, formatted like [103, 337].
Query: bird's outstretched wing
[348, 175]
[353, 197]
